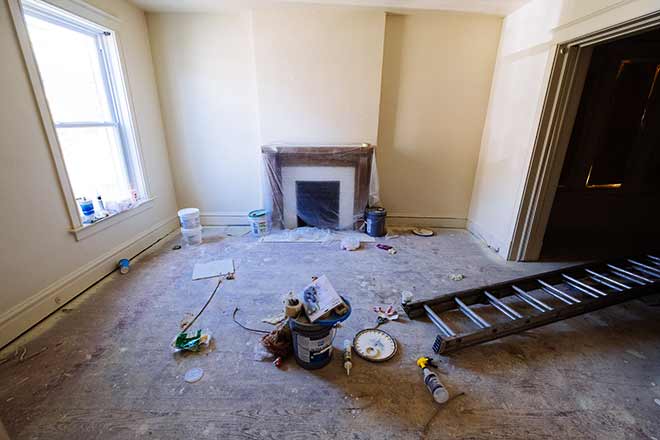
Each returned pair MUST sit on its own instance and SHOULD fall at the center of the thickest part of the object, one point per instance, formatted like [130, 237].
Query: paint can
[189, 218]
[375, 220]
[191, 237]
[260, 222]
[312, 342]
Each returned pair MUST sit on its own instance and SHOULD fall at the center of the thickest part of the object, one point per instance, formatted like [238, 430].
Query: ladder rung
[481, 322]
[537, 304]
[575, 283]
[607, 279]
[605, 283]
[654, 271]
[549, 288]
[499, 305]
[435, 319]
[637, 278]
[646, 272]
[552, 290]
[583, 290]
[627, 278]
[656, 260]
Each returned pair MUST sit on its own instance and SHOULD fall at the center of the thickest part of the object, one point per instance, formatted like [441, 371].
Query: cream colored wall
[318, 73]
[39, 255]
[232, 82]
[206, 78]
[527, 48]
[437, 73]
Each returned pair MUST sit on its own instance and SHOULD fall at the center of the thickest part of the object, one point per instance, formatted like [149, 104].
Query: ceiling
[496, 7]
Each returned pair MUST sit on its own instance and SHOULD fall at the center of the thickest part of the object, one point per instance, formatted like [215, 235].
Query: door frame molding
[562, 100]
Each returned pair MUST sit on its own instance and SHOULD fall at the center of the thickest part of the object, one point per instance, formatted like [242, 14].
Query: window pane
[94, 162]
[70, 69]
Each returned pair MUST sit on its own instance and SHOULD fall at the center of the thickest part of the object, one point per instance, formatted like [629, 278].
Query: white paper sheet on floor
[213, 268]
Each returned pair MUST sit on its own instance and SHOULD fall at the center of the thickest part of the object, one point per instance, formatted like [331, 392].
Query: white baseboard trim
[25, 315]
[490, 241]
[241, 219]
[224, 218]
[429, 222]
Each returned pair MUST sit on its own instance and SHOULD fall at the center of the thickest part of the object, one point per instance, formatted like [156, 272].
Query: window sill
[88, 230]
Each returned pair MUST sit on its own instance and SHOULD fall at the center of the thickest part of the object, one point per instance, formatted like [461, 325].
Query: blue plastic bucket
[260, 222]
[312, 342]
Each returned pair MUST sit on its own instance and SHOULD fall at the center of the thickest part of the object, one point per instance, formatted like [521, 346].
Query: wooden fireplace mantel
[359, 157]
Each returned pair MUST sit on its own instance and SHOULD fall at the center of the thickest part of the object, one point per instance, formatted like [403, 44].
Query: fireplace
[326, 187]
[321, 196]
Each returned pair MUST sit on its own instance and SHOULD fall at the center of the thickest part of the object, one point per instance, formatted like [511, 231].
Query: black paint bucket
[375, 220]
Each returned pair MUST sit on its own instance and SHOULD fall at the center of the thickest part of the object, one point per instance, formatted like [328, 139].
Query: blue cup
[124, 265]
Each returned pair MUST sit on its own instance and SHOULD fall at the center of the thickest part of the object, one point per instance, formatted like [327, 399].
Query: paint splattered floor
[107, 372]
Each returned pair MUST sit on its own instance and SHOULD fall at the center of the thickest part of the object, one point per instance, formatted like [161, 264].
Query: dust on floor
[107, 371]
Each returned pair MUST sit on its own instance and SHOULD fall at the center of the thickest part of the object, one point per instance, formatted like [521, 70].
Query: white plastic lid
[188, 212]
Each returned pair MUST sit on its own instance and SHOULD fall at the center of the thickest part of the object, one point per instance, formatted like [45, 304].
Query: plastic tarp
[324, 186]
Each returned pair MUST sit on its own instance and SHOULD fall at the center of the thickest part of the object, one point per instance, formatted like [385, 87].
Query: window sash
[110, 159]
[109, 87]
[45, 11]
[83, 124]
[103, 26]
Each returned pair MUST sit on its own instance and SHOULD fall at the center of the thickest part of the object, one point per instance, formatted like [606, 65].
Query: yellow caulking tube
[347, 357]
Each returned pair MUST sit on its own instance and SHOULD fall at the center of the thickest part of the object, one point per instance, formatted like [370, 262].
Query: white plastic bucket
[192, 236]
[260, 222]
[189, 218]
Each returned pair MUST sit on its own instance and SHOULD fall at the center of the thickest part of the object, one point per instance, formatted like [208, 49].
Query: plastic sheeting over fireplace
[322, 186]
[318, 201]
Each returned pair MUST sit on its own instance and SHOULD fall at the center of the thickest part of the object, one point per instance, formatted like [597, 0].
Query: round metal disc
[422, 232]
[374, 345]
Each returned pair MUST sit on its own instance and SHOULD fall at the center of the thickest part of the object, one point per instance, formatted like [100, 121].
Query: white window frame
[101, 22]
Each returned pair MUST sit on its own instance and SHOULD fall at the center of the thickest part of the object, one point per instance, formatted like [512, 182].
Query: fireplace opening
[317, 203]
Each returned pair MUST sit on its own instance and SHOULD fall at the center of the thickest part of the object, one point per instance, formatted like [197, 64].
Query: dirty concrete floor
[108, 372]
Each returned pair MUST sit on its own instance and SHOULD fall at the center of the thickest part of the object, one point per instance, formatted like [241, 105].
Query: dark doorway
[317, 204]
[608, 197]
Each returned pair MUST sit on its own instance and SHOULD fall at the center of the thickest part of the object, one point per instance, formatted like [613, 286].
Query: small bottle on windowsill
[101, 211]
[87, 209]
